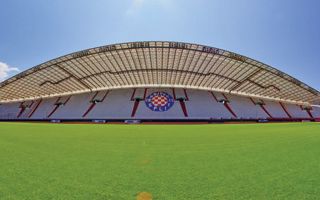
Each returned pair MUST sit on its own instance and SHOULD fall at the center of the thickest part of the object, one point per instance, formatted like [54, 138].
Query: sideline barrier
[99, 121]
[129, 121]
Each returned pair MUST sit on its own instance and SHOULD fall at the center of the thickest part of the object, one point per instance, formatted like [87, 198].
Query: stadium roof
[156, 64]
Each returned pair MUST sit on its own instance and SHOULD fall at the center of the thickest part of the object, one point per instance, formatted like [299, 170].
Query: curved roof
[156, 64]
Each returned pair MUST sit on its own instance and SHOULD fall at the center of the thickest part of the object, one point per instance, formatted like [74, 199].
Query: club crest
[159, 101]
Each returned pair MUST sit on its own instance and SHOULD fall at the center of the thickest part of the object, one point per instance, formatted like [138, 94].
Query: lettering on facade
[107, 48]
[179, 45]
[176, 45]
[139, 45]
[210, 50]
[81, 53]
[237, 57]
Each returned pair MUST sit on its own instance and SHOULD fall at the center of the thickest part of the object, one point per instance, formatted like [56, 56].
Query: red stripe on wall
[55, 107]
[94, 96]
[132, 96]
[57, 101]
[185, 94]
[215, 98]
[92, 105]
[252, 101]
[67, 100]
[262, 107]
[308, 111]
[54, 110]
[22, 109]
[310, 114]
[145, 93]
[285, 110]
[301, 107]
[184, 108]
[32, 102]
[89, 109]
[226, 98]
[135, 107]
[174, 94]
[35, 108]
[229, 109]
[266, 111]
[226, 104]
[105, 95]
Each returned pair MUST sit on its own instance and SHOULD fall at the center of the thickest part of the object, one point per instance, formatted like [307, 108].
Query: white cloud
[6, 71]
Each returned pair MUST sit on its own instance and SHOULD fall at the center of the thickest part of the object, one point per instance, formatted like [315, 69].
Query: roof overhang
[156, 64]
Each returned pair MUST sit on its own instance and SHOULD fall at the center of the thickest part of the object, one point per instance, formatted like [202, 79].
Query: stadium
[156, 81]
[206, 124]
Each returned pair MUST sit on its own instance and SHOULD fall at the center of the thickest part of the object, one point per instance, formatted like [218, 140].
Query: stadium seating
[117, 105]
[44, 109]
[202, 103]
[9, 111]
[132, 104]
[315, 112]
[245, 108]
[297, 111]
[275, 109]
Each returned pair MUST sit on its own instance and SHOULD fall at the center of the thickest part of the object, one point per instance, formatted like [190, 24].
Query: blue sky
[282, 33]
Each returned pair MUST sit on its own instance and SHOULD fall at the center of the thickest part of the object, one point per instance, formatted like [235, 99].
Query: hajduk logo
[159, 101]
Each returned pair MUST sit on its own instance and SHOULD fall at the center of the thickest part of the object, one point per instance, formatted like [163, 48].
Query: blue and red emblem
[159, 101]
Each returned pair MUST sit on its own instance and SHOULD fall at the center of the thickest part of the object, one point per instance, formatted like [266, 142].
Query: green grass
[176, 162]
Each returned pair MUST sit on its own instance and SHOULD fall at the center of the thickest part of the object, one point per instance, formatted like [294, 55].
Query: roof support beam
[246, 79]
[75, 77]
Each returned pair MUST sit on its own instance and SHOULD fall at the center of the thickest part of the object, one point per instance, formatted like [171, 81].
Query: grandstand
[156, 81]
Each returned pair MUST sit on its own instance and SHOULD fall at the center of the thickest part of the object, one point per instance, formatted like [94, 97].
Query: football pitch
[169, 162]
